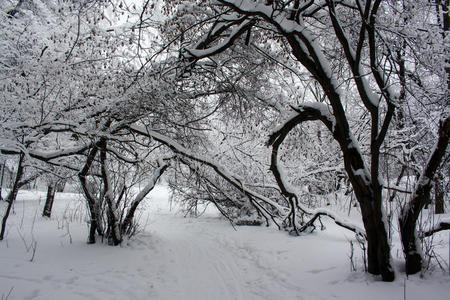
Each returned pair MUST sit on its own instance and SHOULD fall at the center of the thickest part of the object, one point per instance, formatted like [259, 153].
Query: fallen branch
[337, 219]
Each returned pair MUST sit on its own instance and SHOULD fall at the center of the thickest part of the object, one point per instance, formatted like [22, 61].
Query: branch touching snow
[307, 112]
[221, 170]
[337, 219]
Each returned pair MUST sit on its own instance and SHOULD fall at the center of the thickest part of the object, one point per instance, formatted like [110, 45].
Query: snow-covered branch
[307, 112]
[218, 168]
[312, 111]
[200, 51]
[47, 156]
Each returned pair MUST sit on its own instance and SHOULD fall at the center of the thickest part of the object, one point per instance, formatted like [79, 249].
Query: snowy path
[176, 258]
[185, 258]
[205, 263]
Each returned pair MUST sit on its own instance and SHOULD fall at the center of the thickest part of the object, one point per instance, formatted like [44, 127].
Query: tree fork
[94, 222]
[113, 222]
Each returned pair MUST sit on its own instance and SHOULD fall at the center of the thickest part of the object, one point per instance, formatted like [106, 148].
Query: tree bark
[94, 220]
[439, 195]
[51, 191]
[114, 232]
[378, 248]
[1, 179]
[410, 213]
[12, 194]
[93, 211]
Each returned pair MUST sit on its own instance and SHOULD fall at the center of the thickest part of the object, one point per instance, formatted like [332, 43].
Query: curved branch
[306, 112]
[338, 220]
[313, 111]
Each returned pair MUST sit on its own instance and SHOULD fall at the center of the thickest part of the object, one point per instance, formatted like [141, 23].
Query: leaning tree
[336, 43]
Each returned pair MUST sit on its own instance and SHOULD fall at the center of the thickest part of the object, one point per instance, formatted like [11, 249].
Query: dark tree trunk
[366, 187]
[114, 232]
[367, 191]
[1, 180]
[378, 248]
[439, 196]
[93, 211]
[12, 195]
[94, 223]
[411, 248]
[410, 213]
[51, 191]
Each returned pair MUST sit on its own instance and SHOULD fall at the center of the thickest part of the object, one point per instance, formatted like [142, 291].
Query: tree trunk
[1, 180]
[114, 232]
[439, 195]
[378, 248]
[94, 223]
[410, 213]
[51, 191]
[368, 192]
[411, 247]
[92, 209]
[127, 224]
[12, 195]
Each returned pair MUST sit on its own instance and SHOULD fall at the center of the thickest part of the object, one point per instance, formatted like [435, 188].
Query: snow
[184, 258]
[260, 8]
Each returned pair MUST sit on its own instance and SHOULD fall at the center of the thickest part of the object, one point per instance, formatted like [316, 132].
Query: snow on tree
[258, 107]
[336, 43]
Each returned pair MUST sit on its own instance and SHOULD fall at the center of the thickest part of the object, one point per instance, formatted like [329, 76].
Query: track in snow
[185, 258]
[200, 259]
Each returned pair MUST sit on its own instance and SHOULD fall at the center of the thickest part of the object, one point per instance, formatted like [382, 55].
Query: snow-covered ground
[185, 258]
